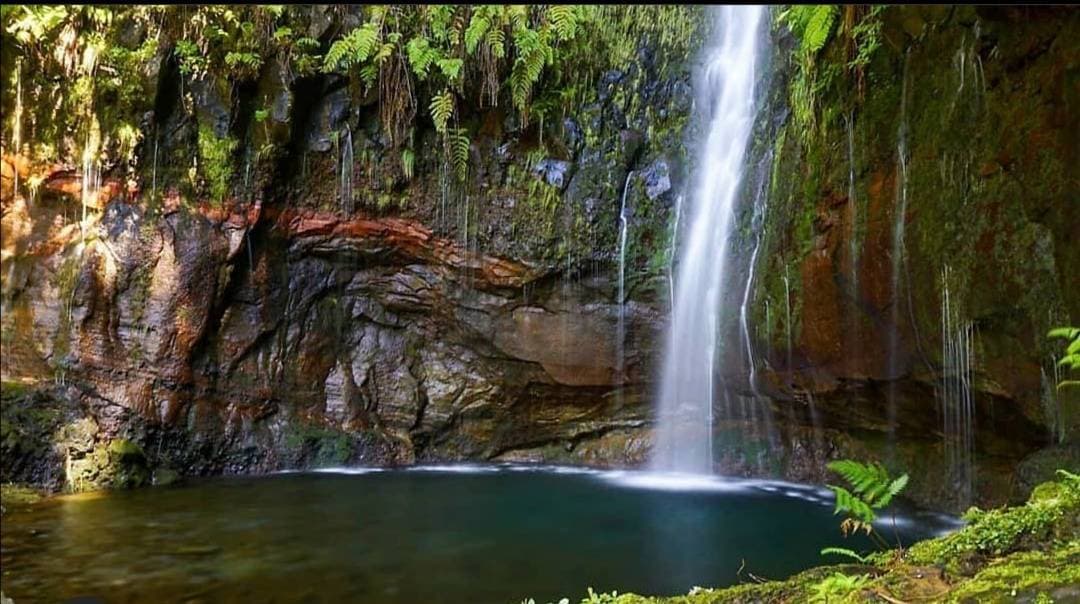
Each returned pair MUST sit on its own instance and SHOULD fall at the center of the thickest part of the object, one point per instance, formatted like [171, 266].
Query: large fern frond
[441, 108]
[843, 551]
[458, 143]
[478, 28]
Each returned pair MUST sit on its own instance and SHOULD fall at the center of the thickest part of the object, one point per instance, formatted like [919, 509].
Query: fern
[563, 19]
[819, 27]
[421, 55]
[871, 489]
[458, 146]
[496, 42]
[355, 48]
[451, 68]
[871, 481]
[1071, 359]
[442, 107]
[836, 587]
[478, 28]
[841, 551]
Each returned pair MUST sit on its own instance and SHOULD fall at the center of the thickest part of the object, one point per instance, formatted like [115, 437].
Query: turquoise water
[451, 534]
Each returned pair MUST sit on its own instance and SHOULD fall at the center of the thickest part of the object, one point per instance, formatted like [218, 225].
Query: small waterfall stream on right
[724, 85]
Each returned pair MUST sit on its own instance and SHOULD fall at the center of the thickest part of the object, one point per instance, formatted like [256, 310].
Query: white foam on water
[348, 470]
[455, 469]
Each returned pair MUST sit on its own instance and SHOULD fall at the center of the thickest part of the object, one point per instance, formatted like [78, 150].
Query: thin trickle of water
[956, 401]
[247, 173]
[674, 247]
[725, 87]
[465, 226]
[761, 200]
[1051, 402]
[853, 206]
[16, 126]
[91, 180]
[899, 222]
[624, 227]
[768, 332]
[345, 184]
[787, 322]
[153, 171]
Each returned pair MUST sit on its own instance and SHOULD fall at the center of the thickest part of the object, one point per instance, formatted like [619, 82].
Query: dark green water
[416, 536]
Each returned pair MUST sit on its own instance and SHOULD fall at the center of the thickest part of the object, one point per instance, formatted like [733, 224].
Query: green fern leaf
[496, 41]
[478, 28]
[459, 152]
[563, 18]
[841, 551]
[819, 27]
[442, 107]
[451, 68]
[1068, 333]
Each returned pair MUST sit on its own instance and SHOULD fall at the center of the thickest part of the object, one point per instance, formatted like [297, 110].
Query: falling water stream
[957, 406]
[620, 344]
[897, 255]
[724, 84]
[345, 184]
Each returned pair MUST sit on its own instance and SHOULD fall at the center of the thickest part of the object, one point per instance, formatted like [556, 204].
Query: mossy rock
[17, 496]
[318, 446]
[120, 464]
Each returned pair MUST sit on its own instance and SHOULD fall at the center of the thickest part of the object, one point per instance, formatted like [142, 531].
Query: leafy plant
[837, 586]
[459, 152]
[843, 551]
[871, 489]
[442, 107]
[215, 162]
[408, 163]
[1071, 359]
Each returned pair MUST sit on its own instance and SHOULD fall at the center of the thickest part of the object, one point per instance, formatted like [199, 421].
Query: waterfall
[620, 344]
[724, 84]
[956, 402]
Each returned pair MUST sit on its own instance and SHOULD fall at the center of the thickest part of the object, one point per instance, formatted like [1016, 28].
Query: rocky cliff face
[943, 165]
[335, 310]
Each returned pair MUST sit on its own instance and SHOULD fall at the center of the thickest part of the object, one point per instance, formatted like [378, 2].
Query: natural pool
[435, 534]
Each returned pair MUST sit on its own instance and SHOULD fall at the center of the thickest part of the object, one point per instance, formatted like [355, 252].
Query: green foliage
[871, 482]
[459, 152]
[843, 551]
[353, 50]
[215, 162]
[1070, 360]
[812, 24]
[815, 26]
[442, 107]
[871, 489]
[836, 587]
[866, 36]
[996, 532]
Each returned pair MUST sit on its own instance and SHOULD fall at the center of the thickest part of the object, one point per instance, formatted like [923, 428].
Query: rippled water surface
[450, 534]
